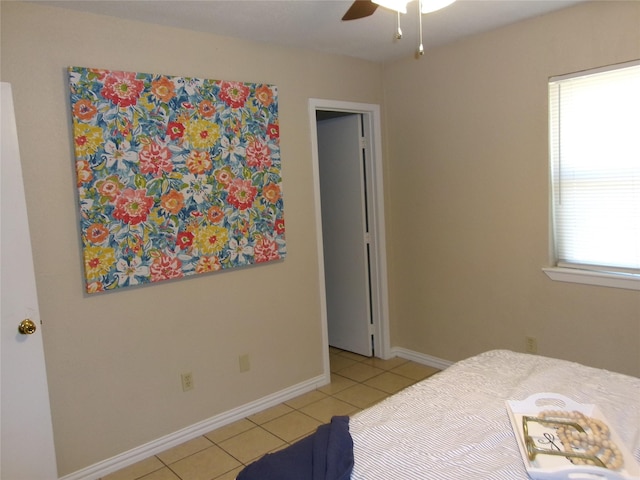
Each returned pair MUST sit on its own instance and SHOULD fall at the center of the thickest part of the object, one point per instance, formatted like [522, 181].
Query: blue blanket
[327, 454]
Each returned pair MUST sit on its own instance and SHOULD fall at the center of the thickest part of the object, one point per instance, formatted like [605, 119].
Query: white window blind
[595, 168]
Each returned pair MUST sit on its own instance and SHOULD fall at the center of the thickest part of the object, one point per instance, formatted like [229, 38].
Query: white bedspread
[455, 425]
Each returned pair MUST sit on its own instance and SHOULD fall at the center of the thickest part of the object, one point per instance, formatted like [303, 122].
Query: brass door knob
[27, 327]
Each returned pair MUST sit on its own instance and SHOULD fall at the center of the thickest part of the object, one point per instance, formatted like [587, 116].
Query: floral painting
[176, 176]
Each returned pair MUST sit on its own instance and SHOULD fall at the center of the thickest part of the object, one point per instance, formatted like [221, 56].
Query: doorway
[361, 307]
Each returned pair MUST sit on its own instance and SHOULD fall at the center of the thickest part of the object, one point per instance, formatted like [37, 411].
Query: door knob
[27, 327]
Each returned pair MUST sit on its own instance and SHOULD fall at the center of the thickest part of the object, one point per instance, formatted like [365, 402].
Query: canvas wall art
[176, 176]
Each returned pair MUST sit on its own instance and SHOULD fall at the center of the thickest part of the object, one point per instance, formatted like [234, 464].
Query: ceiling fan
[365, 8]
[360, 9]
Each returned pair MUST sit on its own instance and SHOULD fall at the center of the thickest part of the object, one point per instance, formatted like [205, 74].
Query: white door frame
[379, 289]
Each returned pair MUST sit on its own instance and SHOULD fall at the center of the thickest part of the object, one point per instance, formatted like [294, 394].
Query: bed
[456, 424]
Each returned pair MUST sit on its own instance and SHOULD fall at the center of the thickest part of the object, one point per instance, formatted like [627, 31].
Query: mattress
[455, 425]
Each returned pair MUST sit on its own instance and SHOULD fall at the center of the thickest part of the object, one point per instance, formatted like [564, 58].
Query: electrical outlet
[187, 381]
[245, 364]
[532, 344]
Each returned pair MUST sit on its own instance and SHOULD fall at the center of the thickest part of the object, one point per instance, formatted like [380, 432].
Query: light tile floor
[357, 382]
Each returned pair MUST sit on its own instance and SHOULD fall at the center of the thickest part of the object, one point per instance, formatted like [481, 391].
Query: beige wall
[114, 360]
[468, 194]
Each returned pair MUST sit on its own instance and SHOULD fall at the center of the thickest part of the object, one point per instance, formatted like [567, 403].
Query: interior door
[27, 450]
[344, 233]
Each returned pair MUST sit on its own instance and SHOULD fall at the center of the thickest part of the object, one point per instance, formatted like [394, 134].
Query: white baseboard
[418, 357]
[113, 464]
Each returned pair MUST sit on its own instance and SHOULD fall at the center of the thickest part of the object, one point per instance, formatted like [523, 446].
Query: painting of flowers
[176, 176]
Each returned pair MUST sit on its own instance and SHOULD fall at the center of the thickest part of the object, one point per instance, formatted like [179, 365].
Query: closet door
[344, 233]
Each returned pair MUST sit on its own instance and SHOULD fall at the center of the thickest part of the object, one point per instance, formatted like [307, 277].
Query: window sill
[574, 275]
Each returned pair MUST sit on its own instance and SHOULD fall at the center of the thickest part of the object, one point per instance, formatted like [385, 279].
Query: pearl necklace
[594, 439]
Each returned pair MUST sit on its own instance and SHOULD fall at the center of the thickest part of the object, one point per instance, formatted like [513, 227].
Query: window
[594, 120]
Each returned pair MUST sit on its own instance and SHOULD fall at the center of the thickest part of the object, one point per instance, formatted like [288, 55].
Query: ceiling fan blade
[360, 9]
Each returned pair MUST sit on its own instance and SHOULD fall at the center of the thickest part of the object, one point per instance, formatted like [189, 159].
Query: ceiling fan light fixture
[395, 5]
[428, 6]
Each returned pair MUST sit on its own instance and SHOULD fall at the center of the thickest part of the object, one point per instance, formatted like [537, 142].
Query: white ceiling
[317, 24]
